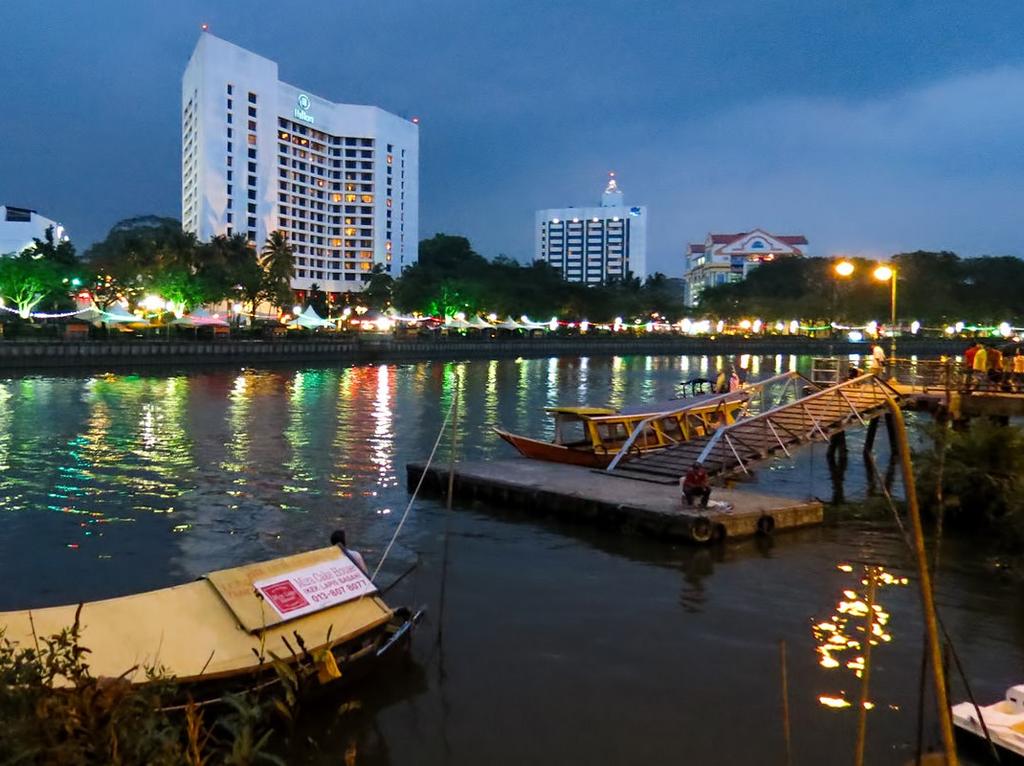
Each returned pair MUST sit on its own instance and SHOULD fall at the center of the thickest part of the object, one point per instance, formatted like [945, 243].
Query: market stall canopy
[509, 324]
[481, 324]
[201, 318]
[117, 314]
[90, 314]
[454, 323]
[529, 324]
[311, 320]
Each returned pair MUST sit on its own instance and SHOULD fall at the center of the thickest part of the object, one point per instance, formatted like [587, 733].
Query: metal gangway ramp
[813, 413]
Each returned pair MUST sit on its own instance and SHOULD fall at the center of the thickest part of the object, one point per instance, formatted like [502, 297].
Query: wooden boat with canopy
[224, 629]
[592, 436]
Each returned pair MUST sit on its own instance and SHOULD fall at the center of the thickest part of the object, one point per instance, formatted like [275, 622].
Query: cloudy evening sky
[871, 127]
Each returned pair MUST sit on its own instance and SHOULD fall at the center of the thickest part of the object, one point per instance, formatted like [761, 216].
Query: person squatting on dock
[696, 484]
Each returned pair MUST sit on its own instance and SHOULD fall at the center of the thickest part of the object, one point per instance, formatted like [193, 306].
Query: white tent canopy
[481, 323]
[454, 323]
[529, 324]
[118, 314]
[311, 320]
[200, 317]
[509, 324]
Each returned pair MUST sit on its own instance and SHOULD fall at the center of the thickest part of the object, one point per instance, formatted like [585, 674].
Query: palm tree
[278, 263]
[235, 265]
[277, 257]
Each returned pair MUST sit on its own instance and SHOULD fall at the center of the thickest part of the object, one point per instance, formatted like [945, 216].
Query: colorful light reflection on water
[113, 484]
[857, 619]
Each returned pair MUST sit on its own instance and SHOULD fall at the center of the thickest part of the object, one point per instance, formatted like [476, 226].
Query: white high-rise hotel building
[259, 155]
[594, 245]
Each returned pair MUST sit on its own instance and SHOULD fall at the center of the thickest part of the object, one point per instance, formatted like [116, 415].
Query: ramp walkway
[805, 417]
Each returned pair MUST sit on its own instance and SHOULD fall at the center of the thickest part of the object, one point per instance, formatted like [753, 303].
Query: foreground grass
[53, 711]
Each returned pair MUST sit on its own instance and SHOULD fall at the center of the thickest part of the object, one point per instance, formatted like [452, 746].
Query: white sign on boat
[293, 594]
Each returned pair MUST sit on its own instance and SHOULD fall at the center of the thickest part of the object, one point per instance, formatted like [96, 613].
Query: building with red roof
[724, 258]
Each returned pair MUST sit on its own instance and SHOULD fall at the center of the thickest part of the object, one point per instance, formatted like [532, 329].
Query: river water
[561, 644]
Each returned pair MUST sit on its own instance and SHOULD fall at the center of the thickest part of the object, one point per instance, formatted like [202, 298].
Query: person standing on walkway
[979, 366]
[968, 367]
[877, 358]
[969, 355]
[696, 484]
[995, 367]
[735, 384]
[1018, 370]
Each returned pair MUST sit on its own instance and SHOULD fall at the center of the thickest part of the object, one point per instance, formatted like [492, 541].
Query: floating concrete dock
[590, 497]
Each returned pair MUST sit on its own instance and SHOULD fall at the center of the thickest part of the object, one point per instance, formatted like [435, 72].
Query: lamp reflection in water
[841, 637]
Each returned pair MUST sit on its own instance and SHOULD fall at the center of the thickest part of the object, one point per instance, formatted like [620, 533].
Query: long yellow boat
[228, 625]
[592, 436]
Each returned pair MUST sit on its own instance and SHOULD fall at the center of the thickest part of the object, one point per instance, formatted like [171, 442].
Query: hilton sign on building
[259, 155]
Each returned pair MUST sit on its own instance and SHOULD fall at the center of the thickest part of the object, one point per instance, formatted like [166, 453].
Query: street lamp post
[888, 273]
[883, 273]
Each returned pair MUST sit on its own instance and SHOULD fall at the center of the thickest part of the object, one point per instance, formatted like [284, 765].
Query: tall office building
[594, 245]
[259, 155]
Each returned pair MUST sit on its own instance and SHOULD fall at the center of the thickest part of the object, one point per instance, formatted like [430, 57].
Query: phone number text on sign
[314, 588]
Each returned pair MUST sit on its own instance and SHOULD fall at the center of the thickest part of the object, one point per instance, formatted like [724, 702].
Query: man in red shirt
[696, 484]
[969, 356]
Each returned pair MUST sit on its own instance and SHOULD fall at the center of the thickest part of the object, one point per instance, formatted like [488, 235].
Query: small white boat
[1004, 720]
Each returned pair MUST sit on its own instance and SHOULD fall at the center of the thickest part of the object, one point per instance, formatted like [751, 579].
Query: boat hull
[216, 630]
[555, 453]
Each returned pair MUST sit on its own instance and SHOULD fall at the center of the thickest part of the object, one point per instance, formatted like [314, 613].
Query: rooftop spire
[612, 196]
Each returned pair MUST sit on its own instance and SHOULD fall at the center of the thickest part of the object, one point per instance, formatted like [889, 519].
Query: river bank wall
[144, 352]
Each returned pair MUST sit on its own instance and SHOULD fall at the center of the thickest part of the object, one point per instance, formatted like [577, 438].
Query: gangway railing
[776, 433]
[748, 395]
[910, 373]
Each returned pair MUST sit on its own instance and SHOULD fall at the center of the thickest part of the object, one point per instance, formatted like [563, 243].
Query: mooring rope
[416, 491]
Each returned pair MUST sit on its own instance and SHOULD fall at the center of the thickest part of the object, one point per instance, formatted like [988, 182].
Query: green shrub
[982, 478]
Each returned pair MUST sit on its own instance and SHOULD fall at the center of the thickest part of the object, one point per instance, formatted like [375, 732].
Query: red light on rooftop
[415, 120]
[205, 27]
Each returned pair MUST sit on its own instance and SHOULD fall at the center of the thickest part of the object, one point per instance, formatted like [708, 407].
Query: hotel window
[229, 118]
[252, 194]
[252, 124]
[252, 98]
[229, 146]
[252, 208]
[252, 154]
[252, 139]
[252, 180]
[230, 103]
[231, 89]
[252, 111]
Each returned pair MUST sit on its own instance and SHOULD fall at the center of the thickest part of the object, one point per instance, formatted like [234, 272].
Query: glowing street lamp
[844, 268]
[885, 273]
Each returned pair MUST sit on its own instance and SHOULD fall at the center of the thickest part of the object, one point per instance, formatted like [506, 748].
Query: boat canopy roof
[214, 627]
[580, 411]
